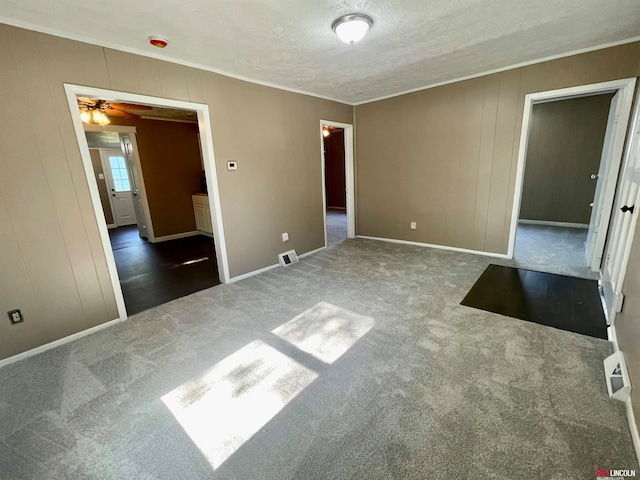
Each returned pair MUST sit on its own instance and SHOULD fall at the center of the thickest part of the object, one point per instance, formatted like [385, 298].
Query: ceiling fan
[98, 111]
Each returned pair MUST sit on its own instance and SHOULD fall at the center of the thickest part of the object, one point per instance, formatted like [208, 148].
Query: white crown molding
[503, 69]
[144, 53]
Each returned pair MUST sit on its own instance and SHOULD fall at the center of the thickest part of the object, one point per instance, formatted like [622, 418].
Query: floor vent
[618, 383]
[287, 258]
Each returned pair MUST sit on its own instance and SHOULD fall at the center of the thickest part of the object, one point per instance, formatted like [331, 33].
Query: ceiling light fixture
[93, 114]
[352, 28]
[325, 131]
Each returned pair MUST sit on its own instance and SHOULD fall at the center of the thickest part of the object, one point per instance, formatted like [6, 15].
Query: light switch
[101, 176]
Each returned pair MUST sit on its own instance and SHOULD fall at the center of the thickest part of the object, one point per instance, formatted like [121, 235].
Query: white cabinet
[202, 212]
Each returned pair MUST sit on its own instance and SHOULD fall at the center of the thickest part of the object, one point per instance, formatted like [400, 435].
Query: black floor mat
[567, 303]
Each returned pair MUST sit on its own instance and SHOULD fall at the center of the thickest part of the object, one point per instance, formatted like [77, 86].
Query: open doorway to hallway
[148, 166]
[566, 147]
[335, 184]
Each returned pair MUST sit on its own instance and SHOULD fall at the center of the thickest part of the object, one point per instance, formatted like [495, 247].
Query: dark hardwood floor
[155, 273]
[559, 301]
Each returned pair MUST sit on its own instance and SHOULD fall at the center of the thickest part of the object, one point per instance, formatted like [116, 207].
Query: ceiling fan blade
[131, 106]
[114, 112]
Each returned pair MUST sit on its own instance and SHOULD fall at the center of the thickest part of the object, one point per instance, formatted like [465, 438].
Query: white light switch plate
[232, 165]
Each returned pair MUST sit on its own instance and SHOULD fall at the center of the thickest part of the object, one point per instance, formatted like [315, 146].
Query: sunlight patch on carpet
[226, 405]
[325, 331]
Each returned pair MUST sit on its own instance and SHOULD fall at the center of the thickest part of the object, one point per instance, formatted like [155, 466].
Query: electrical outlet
[285, 237]
[15, 316]
[413, 225]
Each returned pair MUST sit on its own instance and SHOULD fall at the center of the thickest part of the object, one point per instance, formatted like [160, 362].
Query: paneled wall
[52, 261]
[96, 161]
[564, 149]
[446, 157]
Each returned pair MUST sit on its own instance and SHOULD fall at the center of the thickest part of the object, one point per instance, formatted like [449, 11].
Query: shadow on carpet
[567, 303]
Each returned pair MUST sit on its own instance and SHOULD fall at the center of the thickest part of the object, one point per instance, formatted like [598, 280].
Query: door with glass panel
[119, 185]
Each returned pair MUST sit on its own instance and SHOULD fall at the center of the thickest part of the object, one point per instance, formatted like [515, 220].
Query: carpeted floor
[553, 250]
[336, 226]
[358, 362]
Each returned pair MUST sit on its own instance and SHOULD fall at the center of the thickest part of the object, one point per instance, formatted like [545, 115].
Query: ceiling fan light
[85, 116]
[325, 132]
[352, 28]
[100, 118]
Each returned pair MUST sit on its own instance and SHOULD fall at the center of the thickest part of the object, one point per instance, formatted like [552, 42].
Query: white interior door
[141, 218]
[119, 184]
[596, 236]
[623, 225]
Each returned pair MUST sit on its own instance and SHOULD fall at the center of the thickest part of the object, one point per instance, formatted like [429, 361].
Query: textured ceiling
[289, 43]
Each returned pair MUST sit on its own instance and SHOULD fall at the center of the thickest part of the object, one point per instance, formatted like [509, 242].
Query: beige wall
[564, 149]
[96, 161]
[172, 169]
[446, 157]
[51, 257]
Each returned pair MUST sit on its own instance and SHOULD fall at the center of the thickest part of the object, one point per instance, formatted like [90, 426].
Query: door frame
[625, 88]
[349, 174]
[204, 125]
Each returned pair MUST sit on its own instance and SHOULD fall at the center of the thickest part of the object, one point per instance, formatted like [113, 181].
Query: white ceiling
[289, 43]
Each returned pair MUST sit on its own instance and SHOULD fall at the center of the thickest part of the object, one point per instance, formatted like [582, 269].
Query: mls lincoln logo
[605, 474]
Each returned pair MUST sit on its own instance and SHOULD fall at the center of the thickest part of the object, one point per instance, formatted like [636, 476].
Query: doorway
[580, 243]
[337, 181]
[149, 267]
[564, 153]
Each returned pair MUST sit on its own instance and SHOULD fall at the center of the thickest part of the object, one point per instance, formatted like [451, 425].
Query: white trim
[92, 127]
[137, 165]
[312, 252]
[271, 267]
[554, 224]
[431, 245]
[57, 343]
[253, 273]
[631, 418]
[502, 69]
[156, 55]
[174, 120]
[633, 428]
[626, 88]
[204, 125]
[111, 225]
[349, 174]
[176, 236]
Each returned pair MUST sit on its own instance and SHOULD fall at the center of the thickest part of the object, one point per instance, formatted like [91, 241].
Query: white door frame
[625, 87]
[349, 174]
[204, 125]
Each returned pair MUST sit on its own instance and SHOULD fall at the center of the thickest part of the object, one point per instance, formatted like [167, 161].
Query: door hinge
[619, 300]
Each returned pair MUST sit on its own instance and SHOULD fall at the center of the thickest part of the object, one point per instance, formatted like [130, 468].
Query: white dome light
[352, 28]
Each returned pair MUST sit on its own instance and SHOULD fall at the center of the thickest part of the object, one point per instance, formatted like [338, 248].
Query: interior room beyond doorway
[564, 152]
[335, 184]
[151, 159]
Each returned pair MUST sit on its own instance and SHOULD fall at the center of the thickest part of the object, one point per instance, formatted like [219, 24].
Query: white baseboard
[439, 247]
[111, 225]
[176, 236]
[253, 273]
[270, 267]
[554, 224]
[308, 254]
[57, 343]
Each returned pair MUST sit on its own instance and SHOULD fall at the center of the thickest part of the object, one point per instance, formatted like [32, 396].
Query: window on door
[119, 173]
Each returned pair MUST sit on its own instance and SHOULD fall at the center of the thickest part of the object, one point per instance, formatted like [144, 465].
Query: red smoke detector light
[158, 42]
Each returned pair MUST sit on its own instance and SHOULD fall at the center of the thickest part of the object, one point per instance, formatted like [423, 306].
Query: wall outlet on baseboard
[285, 237]
[413, 225]
[15, 316]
